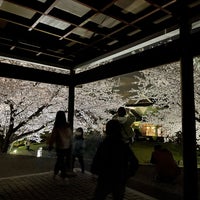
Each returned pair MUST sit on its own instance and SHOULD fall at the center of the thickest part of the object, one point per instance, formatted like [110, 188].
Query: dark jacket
[78, 146]
[114, 160]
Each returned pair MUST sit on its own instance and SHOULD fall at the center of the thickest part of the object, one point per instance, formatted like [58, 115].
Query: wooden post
[190, 184]
[71, 101]
[70, 173]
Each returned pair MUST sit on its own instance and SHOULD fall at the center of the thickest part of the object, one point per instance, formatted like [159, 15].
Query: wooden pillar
[71, 100]
[190, 184]
[71, 115]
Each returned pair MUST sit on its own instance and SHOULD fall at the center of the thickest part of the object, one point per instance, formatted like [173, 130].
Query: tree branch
[17, 137]
[35, 114]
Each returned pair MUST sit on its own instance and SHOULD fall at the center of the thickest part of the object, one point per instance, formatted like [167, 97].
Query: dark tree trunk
[6, 142]
[5, 146]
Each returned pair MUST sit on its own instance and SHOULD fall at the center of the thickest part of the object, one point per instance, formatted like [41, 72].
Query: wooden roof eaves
[147, 59]
[140, 61]
[150, 58]
[30, 74]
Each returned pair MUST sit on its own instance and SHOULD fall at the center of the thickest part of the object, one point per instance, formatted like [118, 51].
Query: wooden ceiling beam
[30, 74]
[154, 57]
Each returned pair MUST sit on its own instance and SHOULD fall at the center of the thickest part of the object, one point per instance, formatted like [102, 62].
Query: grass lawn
[143, 150]
[33, 146]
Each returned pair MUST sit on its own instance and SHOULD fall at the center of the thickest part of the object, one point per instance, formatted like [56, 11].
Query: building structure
[70, 42]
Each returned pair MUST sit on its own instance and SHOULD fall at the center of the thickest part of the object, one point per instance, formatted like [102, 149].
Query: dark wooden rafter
[62, 48]
[30, 74]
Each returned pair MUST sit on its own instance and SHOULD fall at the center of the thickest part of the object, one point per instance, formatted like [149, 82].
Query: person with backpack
[114, 163]
[126, 121]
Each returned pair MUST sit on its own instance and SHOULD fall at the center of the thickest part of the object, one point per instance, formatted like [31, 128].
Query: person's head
[60, 120]
[121, 112]
[79, 133]
[113, 129]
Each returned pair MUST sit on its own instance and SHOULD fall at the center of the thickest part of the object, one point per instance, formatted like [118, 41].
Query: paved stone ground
[41, 186]
[144, 181]
[23, 168]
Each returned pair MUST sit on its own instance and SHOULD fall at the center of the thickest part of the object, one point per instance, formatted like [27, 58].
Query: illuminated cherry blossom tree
[162, 85]
[94, 103]
[28, 109]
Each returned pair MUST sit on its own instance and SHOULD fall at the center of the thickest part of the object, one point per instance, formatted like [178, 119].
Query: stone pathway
[41, 186]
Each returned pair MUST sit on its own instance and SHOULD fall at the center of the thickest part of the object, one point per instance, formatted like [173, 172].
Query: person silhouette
[126, 121]
[61, 136]
[167, 169]
[113, 163]
[78, 148]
